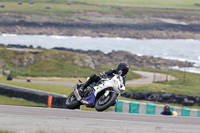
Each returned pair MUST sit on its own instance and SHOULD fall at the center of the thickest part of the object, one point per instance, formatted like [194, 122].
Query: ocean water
[180, 49]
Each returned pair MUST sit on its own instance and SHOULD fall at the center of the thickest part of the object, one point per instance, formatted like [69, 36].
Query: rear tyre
[72, 103]
[104, 103]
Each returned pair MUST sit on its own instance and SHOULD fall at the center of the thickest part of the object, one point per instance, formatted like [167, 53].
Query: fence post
[154, 77]
[167, 77]
[75, 73]
[49, 101]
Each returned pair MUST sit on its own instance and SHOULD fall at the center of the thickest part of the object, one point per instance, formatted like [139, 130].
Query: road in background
[36, 119]
[146, 78]
[150, 77]
[65, 83]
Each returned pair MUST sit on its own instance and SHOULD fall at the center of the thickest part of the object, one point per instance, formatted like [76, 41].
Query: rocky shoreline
[138, 31]
[151, 28]
[115, 57]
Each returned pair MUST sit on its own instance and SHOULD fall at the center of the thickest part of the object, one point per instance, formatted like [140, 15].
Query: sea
[178, 49]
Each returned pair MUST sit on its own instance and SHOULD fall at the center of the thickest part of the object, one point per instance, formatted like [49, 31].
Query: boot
[83, 88]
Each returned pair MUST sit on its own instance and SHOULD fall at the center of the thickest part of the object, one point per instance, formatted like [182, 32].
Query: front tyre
[104, 102]
[71, 102]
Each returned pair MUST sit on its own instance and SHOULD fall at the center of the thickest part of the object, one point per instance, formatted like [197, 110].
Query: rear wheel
[104, 102]
[71, 102]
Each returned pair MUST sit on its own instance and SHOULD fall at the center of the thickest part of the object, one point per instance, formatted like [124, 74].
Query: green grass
[143, 3]
[6, 131]
[50, 63]
[60, 9]
[190, 85]
[79, 8]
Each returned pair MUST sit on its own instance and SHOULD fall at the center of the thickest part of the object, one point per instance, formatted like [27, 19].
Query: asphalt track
[146, 78]
[49, 120]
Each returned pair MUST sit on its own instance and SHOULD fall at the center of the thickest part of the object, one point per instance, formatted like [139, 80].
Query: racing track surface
[47, 120]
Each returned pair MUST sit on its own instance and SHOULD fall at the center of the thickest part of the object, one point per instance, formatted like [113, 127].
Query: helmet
[167, 108]
[124, 67]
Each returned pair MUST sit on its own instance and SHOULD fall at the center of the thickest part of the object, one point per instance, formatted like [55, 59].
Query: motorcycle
[100, 95]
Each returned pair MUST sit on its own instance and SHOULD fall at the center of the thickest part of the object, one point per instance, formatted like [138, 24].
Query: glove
[103, 74]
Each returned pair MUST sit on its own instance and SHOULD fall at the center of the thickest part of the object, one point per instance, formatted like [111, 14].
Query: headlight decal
[116, 83]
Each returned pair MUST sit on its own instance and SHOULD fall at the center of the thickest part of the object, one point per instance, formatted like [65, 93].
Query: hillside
[51, 63]
[62, 62]
[48, 63]
[115, 57]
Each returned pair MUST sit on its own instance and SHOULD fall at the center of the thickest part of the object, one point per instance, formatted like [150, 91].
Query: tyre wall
[32, 95]
[186, 100]
[123, 106]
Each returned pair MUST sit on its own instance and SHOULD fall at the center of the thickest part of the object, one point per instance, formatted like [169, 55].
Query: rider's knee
[93, 76]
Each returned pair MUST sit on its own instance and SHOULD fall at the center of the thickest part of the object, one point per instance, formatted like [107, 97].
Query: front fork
[77, 95]
[79, 98]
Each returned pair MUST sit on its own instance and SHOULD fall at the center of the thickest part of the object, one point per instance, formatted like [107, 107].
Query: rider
[166, 110]
[123, 67]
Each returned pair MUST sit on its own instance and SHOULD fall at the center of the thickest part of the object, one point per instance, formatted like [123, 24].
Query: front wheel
[71, 102]
[104, 102]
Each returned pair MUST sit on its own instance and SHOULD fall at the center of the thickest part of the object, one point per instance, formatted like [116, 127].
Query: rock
[115, 57]
[31, 2]
[48, 7]
[19, 3]
[84, 60]
[2, 6]
[9, 77]
[25, 59]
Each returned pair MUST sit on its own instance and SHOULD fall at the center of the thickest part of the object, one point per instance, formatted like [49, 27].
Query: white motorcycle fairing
[115, 85]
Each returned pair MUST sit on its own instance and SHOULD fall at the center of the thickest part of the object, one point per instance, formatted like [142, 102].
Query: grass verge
[187, 84]
[6, 131]
[59, 89]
